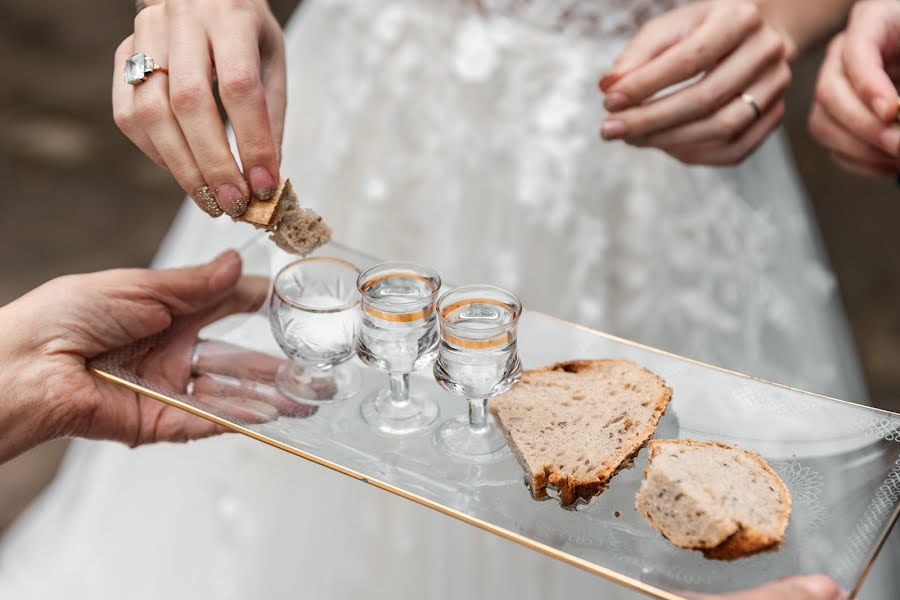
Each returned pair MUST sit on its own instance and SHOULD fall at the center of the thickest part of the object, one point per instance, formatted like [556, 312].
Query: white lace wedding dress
[463, 135]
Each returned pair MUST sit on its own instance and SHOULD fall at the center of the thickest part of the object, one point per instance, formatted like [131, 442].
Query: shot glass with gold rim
[314, 315]
[477, 359]
[398, 335]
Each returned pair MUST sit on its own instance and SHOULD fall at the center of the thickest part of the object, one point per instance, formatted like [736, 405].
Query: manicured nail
[890, 141]
[262, 183]
[609, 80]
[206, 200]
[883, 108]
[232, 201]
[615, 101]
[612, 130]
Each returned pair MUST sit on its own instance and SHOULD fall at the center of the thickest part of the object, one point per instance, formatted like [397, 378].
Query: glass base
[418, 414]
[308, 385]
[485, 444]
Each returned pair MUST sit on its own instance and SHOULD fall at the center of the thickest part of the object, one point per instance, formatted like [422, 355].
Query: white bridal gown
[462, 134]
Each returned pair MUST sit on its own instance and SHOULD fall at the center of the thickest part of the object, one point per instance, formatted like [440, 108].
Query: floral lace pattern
[580, 17]
[464, 135]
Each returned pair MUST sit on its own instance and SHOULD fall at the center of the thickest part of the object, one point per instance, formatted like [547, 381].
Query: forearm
[806, 22]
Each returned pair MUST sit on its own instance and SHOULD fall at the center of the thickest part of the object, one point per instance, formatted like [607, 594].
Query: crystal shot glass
[314, 315]
[477, 359]
[398, 335]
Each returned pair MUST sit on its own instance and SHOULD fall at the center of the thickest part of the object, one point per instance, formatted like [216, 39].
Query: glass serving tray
[841, 461]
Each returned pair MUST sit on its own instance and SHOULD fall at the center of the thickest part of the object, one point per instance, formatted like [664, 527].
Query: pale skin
[855, 111]
[174, 119]
[51, 333]
[741, 45]
[715, 51]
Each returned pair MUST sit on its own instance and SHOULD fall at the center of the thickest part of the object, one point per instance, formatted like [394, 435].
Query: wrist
[26, 419]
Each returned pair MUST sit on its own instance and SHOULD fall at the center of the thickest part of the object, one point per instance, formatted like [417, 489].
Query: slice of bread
[713, 497]
[574, 425]
[294, 229]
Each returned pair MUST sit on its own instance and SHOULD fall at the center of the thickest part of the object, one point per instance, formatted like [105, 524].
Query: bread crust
[572, 489]
[745, 541]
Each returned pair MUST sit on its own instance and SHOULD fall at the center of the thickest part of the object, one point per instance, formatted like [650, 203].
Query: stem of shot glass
[478, 414]
[399, 389]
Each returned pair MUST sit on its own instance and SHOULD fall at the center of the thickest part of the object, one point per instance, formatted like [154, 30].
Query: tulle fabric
[462, 135]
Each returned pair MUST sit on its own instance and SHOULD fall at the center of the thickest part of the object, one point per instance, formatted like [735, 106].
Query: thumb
[190, 289]
[808, 587]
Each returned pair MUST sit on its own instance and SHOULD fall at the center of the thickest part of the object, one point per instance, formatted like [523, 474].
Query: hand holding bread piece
[294, 229]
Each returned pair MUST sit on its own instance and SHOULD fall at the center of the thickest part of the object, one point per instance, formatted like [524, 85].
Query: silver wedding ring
[748, 99]
[195, 356]
[138, 67]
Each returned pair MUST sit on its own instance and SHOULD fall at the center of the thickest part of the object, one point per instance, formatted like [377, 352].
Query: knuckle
[149, 111]
[179, 7]
[693, 56]
[124, 47]
[240, 83]
[821, 94]
[730, 123]
[148, 15]
[218, 170]
[709, 95]
[787, 75]
[748, 14]
[814, 125]
[124, 119]
[775, 46]
[185, 94]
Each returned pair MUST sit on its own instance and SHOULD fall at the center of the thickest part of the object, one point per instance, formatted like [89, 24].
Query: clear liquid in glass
[478, 356]
[398, 331]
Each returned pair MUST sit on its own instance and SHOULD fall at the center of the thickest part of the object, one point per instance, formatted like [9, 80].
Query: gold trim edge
[512, 536]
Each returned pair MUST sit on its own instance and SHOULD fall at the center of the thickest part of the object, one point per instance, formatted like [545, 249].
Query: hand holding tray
[841, 461]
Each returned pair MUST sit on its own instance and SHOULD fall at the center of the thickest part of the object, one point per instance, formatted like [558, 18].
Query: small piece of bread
[713, 497]
[294, 229]
[574, 425]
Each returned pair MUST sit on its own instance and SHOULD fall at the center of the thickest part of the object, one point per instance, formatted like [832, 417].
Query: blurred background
[80, 197]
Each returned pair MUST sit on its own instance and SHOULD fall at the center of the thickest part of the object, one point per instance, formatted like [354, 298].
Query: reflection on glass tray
[840, 461]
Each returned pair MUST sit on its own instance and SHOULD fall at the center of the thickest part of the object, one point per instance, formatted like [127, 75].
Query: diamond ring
[138, 67]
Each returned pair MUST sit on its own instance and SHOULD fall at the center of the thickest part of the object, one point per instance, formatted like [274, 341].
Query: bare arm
[805, 22]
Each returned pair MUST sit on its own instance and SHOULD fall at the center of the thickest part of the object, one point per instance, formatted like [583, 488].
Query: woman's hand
[51, 332]
[730, 49]
[235, 45]
[855, 110]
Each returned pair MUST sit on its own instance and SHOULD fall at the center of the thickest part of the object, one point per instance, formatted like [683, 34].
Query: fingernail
[615, 101]
[225, 257]
[821, 588]
[612, 130]
[609, 80]
[232, 201]
[261, 410]
[882, 108]
[262, 182]
[890, 141]
[206, 200]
